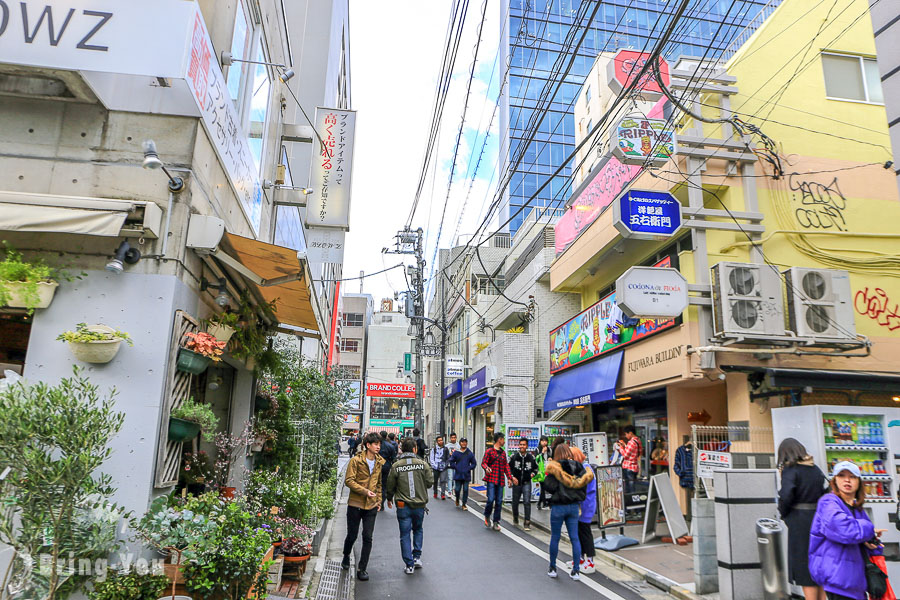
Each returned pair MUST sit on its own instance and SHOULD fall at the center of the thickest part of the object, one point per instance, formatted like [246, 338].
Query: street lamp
[429, 339]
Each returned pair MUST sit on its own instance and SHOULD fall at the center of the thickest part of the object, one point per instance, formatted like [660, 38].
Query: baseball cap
[846, 465]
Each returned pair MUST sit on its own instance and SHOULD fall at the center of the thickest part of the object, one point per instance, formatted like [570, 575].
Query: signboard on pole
[652, 292]
[324, 245]
[331, 169]
[454, 366]
[408, 362]
[594, 446]
[625, 68]
[708, 460]
[642, 141]
[647, 215]
[610, 496]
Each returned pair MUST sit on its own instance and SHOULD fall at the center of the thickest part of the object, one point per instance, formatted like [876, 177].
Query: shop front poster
[610, 496]
[598, 330]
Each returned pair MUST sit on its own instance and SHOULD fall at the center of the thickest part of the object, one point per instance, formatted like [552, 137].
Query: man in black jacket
[389, 453]
[421, 446]
[523, 467]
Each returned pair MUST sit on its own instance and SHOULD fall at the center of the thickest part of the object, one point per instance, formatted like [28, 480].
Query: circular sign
[652, 293]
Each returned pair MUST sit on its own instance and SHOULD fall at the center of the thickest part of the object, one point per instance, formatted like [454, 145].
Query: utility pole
[443, 366]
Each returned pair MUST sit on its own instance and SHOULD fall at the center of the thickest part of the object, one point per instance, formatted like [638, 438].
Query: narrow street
[464, 560]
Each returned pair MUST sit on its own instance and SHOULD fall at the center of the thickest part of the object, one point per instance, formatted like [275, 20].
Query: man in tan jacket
[364, 480]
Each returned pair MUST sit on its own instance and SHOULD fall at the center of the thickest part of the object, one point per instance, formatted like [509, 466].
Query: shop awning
[478, 400]
[277, 273]
[51, 213]
[861, 381]
[594, 381]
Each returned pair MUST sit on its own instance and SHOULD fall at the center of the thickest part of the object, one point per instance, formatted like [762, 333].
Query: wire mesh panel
[729, 447]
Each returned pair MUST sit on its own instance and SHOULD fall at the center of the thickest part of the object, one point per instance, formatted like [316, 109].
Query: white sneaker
[418, 563]
[589, 567]
[574, 575]
[409, 570]
[551, 573]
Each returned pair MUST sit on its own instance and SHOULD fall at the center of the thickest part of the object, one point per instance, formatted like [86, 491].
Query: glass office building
[534, 36]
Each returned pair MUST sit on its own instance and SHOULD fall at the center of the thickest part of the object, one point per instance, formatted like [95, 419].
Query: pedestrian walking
[842, 537]
[631, 455]
[496, 468]
[802, 484]
[463, 463]
[566, 484]
[542, 457]
[523, 467]
[363, 478]
[588, 509]
[389, 453]
[407, 485]
[439, 459]
[421, 446]
[452, 446]
[352, 442]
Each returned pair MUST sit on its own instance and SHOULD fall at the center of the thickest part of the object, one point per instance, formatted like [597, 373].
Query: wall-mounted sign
[598, 330]
[329, 204]
[455, 366]
[652, 292]
[708, 461]
[640, 141]
[453, 389]
[391, 390]
[647, 215]
[625, 68]
[324, 245]
[478, 381]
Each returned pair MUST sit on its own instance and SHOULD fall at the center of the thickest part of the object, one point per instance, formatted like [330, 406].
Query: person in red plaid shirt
[496, 470]
[630, 457]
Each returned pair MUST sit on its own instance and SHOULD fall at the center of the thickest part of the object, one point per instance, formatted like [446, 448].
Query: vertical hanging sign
[331, 170]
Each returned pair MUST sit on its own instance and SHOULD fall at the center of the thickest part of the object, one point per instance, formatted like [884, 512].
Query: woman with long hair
[802, 484]
[842, 537]
[565, 483]
[542, 456]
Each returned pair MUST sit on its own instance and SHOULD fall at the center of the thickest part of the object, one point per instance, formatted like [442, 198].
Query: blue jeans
[494, 502]
[568, 514]
[410, 520]
[629, 477]
[461, 487]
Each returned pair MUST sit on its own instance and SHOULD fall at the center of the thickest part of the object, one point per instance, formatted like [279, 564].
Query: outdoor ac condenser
[747, 300]
[820, 303]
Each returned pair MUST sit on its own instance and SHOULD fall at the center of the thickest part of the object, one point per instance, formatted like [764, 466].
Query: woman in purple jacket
[840, 529]
[588, 509]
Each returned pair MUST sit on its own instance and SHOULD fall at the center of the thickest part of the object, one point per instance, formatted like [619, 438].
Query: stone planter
[45, 292]
[222, 333]
[98, 352]
[191, 362]
[317, 538]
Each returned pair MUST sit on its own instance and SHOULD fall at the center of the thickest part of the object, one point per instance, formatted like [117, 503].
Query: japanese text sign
[647, 215]
[331, 169]
[707, 461]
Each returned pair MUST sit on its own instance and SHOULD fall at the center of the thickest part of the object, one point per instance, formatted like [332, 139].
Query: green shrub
[129, 585]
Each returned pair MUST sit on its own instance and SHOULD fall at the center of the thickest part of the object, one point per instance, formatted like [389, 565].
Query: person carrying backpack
[439, 459]
[389, 453]
[566, 483]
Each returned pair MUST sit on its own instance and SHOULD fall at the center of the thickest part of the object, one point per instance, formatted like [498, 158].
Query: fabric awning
[478, 400]
[277, 273]
[591, 382]
[46, 213]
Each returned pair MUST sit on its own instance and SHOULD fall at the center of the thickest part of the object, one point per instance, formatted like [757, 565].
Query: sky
[396, 48]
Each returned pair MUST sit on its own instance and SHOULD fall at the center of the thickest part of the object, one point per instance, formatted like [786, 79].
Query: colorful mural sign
[598, 330]
[641, 141]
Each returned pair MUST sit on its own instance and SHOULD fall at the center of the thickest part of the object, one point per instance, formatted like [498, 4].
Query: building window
[852, 78]
[353, 320]
[349, 345]
[241, 41]
[587, 96]
[259, 107]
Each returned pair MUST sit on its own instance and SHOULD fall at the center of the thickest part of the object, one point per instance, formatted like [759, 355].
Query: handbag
[878, 562]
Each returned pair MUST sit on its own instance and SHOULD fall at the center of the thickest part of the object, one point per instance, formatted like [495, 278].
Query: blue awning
[478, 400]
[594, 381]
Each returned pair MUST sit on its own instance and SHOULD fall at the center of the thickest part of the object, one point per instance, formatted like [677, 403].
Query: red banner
[391, 390]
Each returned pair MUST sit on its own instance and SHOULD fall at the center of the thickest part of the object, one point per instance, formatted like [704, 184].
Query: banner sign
[640, 141]
[391, 390]
[707, 461]
[324, 245]
[610, 496]
[647, 215]
[652, 292]
[598, 330]
[454, 366]
[331, 170]
[453, 389]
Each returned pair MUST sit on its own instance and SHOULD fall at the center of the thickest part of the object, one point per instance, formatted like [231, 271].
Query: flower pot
[227, 492]
[181, 430]
[16, 289]
[296, 559]
[263, 402]
[191, 362]
[258, 443]
[222, 333]
[177, 597]
[99, 352]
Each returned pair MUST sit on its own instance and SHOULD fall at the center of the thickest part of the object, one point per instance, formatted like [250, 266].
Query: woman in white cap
[840, 526]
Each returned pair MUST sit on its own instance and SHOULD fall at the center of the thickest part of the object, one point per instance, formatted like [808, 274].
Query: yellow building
[796, 179]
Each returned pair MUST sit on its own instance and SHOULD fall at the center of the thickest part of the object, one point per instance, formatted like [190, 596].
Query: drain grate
[334, 583]
[641, 587]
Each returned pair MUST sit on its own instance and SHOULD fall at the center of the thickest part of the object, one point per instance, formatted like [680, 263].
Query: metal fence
[729, 446]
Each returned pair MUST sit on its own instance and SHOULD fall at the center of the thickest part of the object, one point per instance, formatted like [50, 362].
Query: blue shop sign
[647, 215]
[475, 383]
[453, 389]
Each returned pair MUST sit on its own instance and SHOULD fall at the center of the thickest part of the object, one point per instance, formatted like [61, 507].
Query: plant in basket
[197, 413]
[204, 344]
[297, 547]
[263, 435]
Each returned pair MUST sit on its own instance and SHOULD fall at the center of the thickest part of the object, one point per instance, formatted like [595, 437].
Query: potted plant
[229, 448]
[96, 344]
[129, 585]
[262, 434]
[198, 351]
[222, 325]
[297, 544]
[25, 284]
[189, 419]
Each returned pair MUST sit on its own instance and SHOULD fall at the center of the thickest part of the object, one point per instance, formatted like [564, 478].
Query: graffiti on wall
[876, 304]
[822, 205]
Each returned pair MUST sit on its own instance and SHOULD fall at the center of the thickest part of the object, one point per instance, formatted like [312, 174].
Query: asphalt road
[463, 559]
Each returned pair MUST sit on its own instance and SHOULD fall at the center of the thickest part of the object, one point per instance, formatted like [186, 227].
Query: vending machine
[515, 431]
[868, 436]
[555, 429]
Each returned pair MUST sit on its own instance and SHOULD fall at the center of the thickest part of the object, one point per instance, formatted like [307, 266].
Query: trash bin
[772, 559]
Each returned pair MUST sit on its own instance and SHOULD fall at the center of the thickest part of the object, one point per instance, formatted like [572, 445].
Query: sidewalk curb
[661, 582]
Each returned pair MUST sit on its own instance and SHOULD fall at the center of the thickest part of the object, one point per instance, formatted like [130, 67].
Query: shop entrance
[15, 329]
[648, 413]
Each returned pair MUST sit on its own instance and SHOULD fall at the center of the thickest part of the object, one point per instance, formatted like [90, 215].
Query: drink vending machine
[554, 429]
[866, 435]
[514, 432]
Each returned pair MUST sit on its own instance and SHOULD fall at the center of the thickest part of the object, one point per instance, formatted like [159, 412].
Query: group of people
[380, 473]
[830, 538]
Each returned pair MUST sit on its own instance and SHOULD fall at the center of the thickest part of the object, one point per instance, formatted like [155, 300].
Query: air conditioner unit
[820, 303]
[747, 300]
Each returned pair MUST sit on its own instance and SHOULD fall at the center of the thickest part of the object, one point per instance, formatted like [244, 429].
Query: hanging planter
[30, 295]
[95, 344]
[182, 430]
[222, 333]
[192, 362]
[263, 402]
